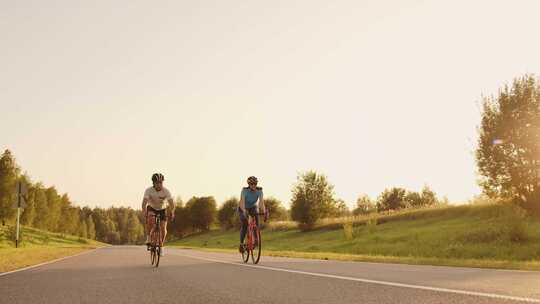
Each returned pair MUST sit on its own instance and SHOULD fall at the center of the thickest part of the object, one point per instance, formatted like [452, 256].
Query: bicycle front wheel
[257, 246]
[245, 255]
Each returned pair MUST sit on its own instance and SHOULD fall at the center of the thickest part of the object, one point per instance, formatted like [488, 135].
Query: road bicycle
[253, 246]
[155, 241]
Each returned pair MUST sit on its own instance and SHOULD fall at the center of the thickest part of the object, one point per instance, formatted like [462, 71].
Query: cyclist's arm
[146, 199]
[170, 201]
[172, 206]
[242, 202]
[144, 204]
[262, 207]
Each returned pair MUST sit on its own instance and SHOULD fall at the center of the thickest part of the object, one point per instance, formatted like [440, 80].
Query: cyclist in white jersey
[155, 201]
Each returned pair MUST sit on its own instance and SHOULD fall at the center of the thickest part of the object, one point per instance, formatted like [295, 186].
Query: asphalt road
[122, 274]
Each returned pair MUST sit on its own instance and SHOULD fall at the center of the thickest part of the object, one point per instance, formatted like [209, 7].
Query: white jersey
[157, 199]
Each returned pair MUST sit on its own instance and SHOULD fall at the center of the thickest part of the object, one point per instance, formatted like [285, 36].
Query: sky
[98, 95]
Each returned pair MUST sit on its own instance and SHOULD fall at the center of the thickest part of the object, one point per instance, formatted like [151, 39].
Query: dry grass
[15, 258]
[39, 246]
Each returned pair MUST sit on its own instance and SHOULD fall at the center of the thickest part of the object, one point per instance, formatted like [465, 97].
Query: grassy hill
[39, 246]
[499, 236]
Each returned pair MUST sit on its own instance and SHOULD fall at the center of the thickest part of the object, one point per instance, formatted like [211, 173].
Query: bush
[371, 225]
[364, 205]
[277, 212]
[228, 215]
[506, 223]
[202, 212]
[313, 199]
[113, 237]
[11, 234]
[281, 226]
[182, 222]
[392, 199]
[46, 239]
[348, 231]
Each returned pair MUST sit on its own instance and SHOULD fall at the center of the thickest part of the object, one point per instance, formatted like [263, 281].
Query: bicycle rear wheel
[158, 254]
[153, 254]
[257, 247]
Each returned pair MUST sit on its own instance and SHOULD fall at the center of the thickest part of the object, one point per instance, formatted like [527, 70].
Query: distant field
[476, 236]
[39, 246]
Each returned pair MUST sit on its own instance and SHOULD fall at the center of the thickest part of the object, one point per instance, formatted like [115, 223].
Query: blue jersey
[251, 197]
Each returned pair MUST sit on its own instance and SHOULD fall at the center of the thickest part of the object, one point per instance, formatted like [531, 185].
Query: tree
[182, 223]
[29, 213]
[364, 205]
[508, 153]
[413, 199]
[53, 209]
[9, 172]
[83, 230]
[70, 217]
[340, 209]
[276, 209]
[202, 212]
[90, 227]
[227, 214]
[429, 198]
[103, 225]
[113, 237]
[392, 199]
[312, 199]
[121, 217]
[135, 231]
[41, 206]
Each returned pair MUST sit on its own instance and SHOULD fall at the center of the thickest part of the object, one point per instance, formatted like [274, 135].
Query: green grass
[39, 246]
[495, 236]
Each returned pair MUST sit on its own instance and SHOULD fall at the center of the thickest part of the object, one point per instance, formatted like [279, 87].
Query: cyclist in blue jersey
[248, 205]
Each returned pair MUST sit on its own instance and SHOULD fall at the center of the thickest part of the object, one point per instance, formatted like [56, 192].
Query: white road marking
[49, 262]
[394, 284]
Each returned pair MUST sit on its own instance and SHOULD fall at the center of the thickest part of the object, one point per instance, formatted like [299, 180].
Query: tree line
[507, 156]
[313, 199]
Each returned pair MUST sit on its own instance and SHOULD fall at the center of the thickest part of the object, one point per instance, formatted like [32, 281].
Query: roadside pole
[21, 190]
[18, 214]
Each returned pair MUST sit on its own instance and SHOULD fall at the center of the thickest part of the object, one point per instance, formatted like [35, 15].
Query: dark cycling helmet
[252, 180]
[157, 177]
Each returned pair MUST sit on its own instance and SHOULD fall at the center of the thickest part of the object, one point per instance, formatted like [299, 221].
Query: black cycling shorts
[161, 212]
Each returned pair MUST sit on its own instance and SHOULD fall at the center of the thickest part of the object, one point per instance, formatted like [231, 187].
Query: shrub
[505, 223]
[227, 214]
[277, 212]
[281, 226]
[11, 234]
[202, 212]
[348, 231]
[392, 199]
[313, 199]
[371, 225]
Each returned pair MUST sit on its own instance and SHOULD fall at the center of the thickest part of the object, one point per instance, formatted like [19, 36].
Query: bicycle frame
[252, 227]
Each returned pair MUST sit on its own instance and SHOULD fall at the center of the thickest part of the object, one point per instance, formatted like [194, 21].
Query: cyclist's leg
[163, 226]
[243, 226]
[147, 227]
[151, 223]
[243, 229]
